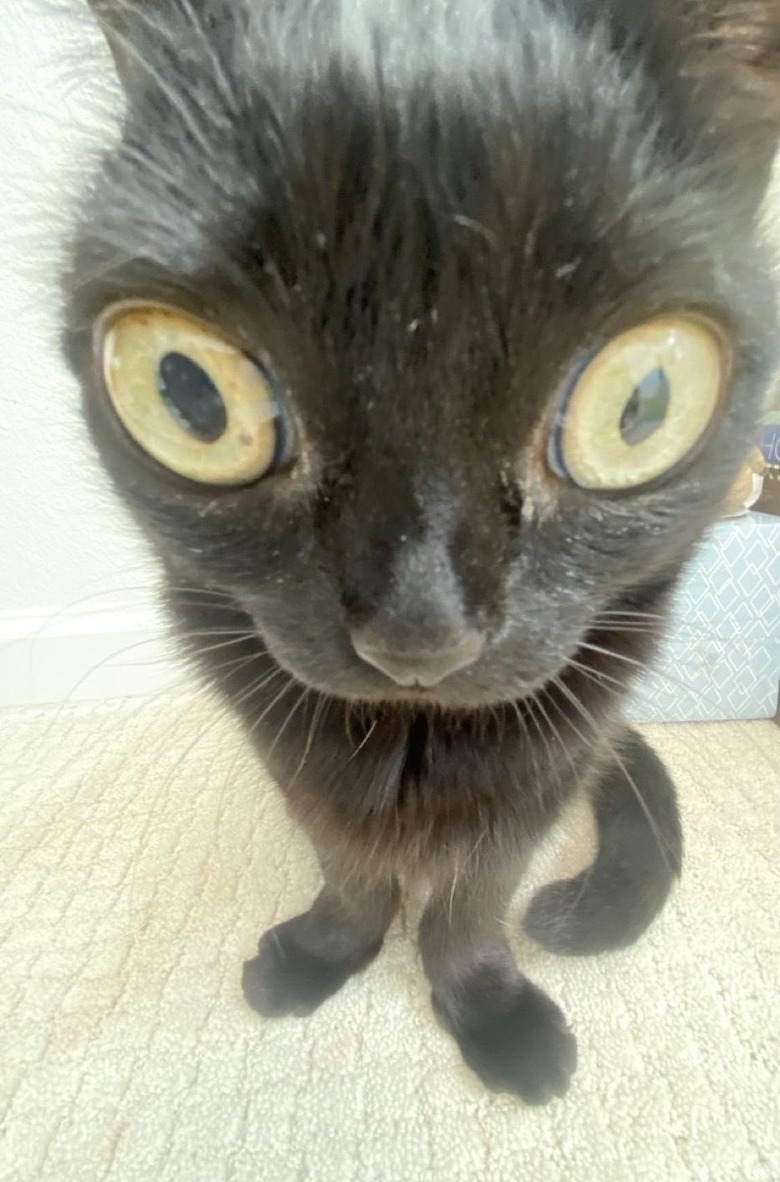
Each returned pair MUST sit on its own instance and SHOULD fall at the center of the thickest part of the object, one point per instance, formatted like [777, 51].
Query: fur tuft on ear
[740, 41]
[139, 32]
[114, 18]
[113, 14]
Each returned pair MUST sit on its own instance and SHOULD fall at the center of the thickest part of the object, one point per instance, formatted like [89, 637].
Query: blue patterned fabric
[722, 657]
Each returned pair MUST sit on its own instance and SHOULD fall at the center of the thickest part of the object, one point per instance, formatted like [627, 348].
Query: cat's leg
[508, 1031]
[302, 962]
[639, 857]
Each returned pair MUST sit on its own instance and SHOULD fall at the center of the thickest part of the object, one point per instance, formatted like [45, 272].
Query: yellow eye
[640, 405]
[193, 401]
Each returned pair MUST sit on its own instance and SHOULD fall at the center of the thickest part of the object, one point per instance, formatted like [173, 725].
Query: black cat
[423, 340]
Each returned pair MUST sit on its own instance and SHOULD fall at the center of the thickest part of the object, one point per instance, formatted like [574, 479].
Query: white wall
[63, 537]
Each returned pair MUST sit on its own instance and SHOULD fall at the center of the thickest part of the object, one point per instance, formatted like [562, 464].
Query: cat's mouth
[510, 669]
[469, 691]
[600, 661]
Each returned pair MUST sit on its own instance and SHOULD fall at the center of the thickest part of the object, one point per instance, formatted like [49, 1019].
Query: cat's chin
[438, 700]
[454, 699]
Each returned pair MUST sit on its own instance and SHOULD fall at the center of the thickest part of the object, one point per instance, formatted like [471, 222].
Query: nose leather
[418, 666]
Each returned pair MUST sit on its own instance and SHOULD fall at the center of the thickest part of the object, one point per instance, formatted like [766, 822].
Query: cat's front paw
[516, 1041]
[287, 978]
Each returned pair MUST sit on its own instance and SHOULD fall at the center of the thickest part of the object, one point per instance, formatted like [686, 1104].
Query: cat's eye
[191, 399]
[641, 405]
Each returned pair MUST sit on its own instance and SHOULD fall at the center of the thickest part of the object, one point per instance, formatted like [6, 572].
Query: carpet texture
[143, 853]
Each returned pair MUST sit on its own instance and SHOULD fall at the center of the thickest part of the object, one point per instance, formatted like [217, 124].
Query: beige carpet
[142, 855]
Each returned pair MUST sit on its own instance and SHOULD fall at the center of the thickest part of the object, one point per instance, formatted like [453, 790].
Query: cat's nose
[418, 666]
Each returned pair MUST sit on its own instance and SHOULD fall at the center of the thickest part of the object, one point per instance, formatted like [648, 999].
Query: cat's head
[445, 323]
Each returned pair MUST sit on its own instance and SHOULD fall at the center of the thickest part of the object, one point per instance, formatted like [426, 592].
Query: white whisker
[304, 694]
[315, 719]
[588, 717]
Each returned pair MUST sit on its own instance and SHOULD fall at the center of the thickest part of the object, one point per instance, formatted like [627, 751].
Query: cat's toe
[522, 1045]
[285, 978]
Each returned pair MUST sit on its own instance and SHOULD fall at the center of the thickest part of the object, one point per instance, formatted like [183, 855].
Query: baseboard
[84, 655]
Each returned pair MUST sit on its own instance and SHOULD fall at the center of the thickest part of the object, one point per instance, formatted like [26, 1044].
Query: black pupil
[646, 409]
[191, 397]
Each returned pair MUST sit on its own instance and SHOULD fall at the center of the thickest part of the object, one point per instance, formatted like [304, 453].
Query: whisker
[238, 637]
[635, 615]
[689, 629]
[530, 746]
[536, 703]
[608, 652]
[256, 686]
[598, 675]
[291, 683]
[304, 694]
[591, 746]
[589, 719]
[653, 669]
[66, 609]
[460, 868]
[363, 741]
[319, 709]
[233, 664]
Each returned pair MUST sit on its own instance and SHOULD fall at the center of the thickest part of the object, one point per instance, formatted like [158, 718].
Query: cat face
[422, 266]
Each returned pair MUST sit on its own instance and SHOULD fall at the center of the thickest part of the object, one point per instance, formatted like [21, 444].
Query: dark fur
[426, 214]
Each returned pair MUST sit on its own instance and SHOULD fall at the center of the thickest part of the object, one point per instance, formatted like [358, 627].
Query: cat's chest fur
[413, 793]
